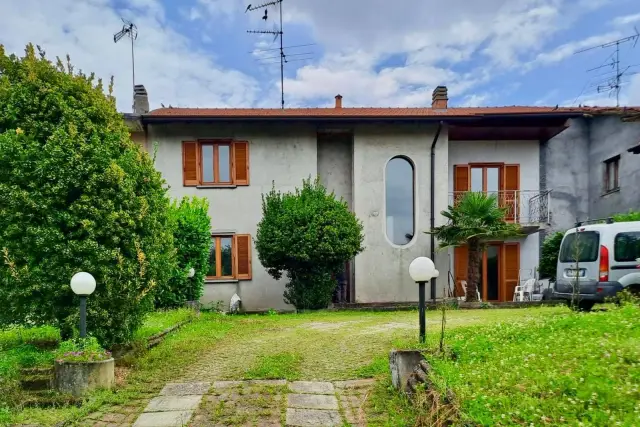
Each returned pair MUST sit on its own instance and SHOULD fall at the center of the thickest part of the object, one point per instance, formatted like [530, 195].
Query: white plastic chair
[525, 291]
[464, 286]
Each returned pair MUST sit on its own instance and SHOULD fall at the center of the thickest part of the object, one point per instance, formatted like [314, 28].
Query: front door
[498, 270]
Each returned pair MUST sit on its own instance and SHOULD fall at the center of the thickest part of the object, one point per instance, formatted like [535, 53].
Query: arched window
[400, 200]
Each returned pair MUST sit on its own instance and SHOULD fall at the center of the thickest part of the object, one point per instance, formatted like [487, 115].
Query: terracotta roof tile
[365, 112]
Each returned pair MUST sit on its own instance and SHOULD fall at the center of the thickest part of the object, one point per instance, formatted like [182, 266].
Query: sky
[197, 53]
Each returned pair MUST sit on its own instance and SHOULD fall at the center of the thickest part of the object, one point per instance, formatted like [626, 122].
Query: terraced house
[397, 169]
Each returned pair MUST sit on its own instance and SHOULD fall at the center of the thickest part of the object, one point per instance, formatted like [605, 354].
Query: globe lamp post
[83, 284]
[421, 271]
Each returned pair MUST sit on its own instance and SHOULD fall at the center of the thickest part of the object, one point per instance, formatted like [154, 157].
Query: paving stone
[114, 418]
[185, 389]
[173, 403]
[312, 387]
[164, 419]
[270, 383]
[226, 384]
[312, 401]
[351, 384]
[312, 418]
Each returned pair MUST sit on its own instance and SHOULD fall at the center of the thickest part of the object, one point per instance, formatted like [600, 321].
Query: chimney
[140, 100]
[439, 99]
[338, 101]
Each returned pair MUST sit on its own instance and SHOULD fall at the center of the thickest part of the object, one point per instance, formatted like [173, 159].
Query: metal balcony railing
[523, 206]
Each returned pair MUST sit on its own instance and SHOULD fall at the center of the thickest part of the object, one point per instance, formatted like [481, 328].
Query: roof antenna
[276, 32]
[611, 83]
[130, 30]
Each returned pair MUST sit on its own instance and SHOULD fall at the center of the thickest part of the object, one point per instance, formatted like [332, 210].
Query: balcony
[529, 208]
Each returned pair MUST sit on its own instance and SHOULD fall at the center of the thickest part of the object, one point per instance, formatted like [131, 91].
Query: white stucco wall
[382, 270]
[284, 155]
[524, 153]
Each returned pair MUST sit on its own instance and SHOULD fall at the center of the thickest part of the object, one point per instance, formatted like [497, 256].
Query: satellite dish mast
[130, 30]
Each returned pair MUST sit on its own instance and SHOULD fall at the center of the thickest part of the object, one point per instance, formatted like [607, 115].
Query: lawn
[524, 364]
[32, 348]
[321, 345]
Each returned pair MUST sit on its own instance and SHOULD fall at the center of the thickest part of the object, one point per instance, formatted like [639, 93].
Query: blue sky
[374, 52]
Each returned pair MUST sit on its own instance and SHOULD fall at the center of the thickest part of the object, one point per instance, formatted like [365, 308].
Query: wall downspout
[433, 204]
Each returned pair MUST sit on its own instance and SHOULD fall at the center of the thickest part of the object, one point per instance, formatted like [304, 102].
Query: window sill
[615, 190]
[204, 187]
[219, 281]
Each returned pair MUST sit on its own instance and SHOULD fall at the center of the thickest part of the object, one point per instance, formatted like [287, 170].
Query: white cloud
[624, 20]
[171, 68]
[564, 51]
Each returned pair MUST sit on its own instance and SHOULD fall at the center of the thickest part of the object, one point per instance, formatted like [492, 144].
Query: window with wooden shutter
[511, 267]
[511, 191]
[243, 256]
[190, 166]
[460, 181]
[461, 266]
[241, 163]
[230, 257]
[215, 163]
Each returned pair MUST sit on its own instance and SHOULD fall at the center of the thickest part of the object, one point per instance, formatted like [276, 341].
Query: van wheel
[585, 305]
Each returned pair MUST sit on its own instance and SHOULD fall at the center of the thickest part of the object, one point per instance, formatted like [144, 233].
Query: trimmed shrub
[76, 194]
[192, 238]
[309, 235]
[549, 258]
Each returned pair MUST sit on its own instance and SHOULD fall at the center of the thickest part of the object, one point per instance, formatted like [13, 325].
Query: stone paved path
[258, 403]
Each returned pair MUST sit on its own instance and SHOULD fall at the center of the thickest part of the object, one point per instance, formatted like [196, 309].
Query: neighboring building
[379, 160]
[593, 167]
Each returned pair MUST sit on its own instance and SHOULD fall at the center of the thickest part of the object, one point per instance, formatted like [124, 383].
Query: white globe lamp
[83, 284]
[421, 271]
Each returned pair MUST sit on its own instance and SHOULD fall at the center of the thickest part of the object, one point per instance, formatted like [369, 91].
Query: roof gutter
[433, 204]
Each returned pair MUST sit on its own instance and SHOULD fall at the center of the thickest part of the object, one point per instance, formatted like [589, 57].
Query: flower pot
[77, 378]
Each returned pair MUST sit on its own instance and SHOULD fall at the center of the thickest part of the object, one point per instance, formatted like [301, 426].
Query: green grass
[16, 336]
[158, 321]
[348, 345]
[276, 366]
[575, 369]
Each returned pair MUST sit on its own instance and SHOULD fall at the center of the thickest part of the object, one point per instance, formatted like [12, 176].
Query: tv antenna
[130, 30]
[613, 83]
[276, 32]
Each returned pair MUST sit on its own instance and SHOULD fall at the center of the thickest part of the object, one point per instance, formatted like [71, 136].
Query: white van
[602, 258]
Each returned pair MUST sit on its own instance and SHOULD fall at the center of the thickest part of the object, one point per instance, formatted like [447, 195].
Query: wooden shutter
[241, 163]
[460, 181]
[190, 163]
[243, 256]
[511, 269]
[460, 267]
[511, 194]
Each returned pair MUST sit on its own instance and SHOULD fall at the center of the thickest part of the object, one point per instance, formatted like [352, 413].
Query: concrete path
[258, 403]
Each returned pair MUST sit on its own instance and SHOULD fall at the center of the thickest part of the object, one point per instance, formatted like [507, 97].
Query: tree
[474, 220]
[76, 194]
[549, 258]
[309, 235]
[192, 238]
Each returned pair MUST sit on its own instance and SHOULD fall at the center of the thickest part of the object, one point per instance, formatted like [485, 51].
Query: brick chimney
[338, 101]
[439, 99]
[140, 100]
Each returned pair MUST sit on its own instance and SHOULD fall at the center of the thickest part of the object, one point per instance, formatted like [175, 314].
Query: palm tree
[474, 219]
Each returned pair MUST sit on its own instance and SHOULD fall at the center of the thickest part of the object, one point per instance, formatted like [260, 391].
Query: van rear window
[580, 247]
[627, 246]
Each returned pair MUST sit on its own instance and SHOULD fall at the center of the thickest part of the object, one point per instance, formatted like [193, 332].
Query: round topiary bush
[309, 235]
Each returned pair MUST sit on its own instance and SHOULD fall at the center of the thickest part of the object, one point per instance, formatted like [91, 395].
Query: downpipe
[433, 204]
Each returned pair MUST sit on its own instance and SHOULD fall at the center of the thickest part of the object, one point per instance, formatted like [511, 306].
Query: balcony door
[492, 178]
[499, 270]
[486, 179]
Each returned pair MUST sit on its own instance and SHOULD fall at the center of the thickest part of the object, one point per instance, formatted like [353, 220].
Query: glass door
[490, 273]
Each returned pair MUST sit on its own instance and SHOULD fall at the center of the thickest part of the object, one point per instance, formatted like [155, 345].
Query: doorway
[498, 270]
